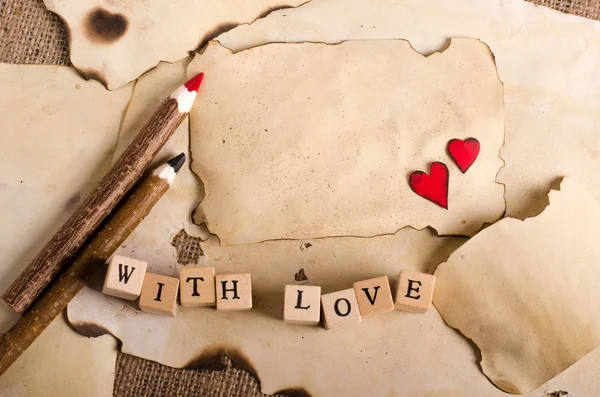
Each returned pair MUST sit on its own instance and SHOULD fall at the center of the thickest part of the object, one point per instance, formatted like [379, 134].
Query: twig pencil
[126, 171]
[105, 241]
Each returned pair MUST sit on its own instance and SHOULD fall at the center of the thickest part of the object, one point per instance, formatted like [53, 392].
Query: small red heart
[433, 187]
[464, 152]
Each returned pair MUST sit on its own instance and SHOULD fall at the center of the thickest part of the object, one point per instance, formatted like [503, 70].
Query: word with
[127, 278]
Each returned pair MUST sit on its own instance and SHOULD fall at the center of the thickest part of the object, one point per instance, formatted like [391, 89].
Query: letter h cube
[233, 291]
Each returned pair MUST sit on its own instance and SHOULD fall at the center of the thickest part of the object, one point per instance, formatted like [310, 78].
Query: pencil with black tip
[98, 204]
[88, 260]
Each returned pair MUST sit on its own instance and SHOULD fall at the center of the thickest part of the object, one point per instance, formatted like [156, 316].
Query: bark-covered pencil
[121, 177]
[88, 260]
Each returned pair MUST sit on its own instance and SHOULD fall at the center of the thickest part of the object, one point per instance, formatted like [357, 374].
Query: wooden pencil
[122, 176]
[88, 260]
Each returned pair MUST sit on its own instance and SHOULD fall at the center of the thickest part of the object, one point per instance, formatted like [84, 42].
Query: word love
[303, 304]
[127, 278]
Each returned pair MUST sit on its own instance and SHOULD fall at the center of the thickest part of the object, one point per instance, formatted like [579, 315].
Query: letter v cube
[374, 296]
[124, 277]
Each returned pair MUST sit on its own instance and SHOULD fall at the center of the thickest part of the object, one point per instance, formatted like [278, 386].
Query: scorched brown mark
[104, 27]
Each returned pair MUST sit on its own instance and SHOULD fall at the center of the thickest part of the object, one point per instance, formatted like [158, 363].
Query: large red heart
[464, 152]
[433, 187]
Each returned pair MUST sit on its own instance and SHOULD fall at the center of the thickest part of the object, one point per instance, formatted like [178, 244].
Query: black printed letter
[337, 309]
[234, 289]
[372, 300]
[299, 301]
[159, 293]
[195, 293]
[411, 288]
[124, 275]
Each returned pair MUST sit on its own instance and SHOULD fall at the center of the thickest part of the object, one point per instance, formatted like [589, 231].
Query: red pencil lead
[193, 84]
[186, 93]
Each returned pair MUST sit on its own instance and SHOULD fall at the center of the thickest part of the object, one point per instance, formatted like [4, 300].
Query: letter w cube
[124, 277]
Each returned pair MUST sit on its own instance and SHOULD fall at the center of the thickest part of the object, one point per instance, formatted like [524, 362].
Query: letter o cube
[340, 309]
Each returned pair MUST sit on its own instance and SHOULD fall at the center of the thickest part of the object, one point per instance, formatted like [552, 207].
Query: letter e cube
[414, 291]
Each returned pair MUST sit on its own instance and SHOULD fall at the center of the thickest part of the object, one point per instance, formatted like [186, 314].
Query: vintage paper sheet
[63, 363]
[548, 63]
[310, 140]
[114, 42]
[52, 159]
[526, 292]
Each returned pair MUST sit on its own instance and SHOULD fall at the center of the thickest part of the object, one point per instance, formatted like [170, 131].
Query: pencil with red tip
[100, 202]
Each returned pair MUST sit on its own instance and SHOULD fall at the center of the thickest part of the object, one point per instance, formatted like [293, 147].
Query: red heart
[433, 187]
[464, 152]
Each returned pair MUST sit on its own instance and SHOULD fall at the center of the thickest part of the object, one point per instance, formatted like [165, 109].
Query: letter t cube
[197, 286]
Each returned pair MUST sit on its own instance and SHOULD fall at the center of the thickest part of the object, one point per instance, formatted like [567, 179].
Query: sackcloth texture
[136, 377]
[188, 248]
[30, 34]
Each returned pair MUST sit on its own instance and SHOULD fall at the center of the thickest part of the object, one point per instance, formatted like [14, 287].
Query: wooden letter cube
[414, 291]
[124, 277]
[159, 295]
[374, 296]
[234, 291]
[340, 309]
[197, 287]
[302, 304]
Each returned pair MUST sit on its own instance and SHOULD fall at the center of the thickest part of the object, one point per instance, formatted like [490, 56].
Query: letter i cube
[124, 277]
[159, 295]
[302, 304]
[414, 291]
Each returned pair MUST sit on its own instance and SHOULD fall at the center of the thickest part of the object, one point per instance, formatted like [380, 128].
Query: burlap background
[31, 34]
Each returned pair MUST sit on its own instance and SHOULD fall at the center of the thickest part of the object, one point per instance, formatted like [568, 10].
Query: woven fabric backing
[29, 33]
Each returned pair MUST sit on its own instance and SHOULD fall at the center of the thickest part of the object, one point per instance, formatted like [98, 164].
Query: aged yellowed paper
[547, 61]
[526, 292]
[115, 42]
[310, 140]
[58, 136]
